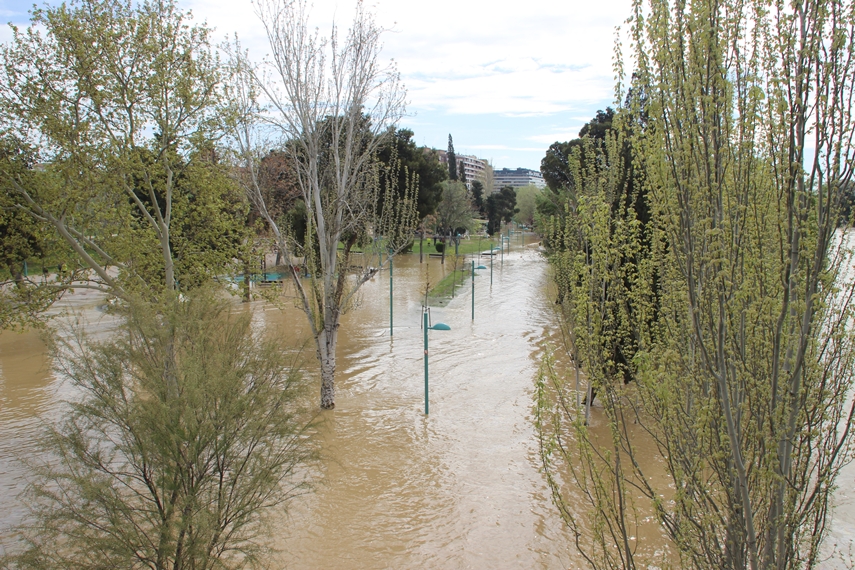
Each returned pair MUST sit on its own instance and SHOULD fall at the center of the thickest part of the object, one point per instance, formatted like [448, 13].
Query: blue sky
[505, 79]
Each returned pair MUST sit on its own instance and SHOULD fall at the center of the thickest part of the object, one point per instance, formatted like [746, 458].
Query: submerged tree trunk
[326, 344]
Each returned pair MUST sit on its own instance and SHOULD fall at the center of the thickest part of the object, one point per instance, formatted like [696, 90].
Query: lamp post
[492, 255]
[391, 326]
[436, 327]
[473, 286]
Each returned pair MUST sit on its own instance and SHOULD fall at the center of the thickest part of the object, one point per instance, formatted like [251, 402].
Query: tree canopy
[501, 206]
[121, 163]
[729, 305]
[421, 161]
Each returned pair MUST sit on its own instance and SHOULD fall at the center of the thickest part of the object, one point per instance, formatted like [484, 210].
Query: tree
[500, 206]
[555, 165]
[478, 196]
[22, 238]
[421, 161]
[454, 212]
[117, 103]
[744, 376]
[452, 160]
[141, 476]
[334, 119]
[488, 179]
[526, 204]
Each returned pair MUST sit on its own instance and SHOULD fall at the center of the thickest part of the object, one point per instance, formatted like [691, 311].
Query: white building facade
[517, 178]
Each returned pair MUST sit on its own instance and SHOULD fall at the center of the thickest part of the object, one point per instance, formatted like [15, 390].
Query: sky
[506, 80]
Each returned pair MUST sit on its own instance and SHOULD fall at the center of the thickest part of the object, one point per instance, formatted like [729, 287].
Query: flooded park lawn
[458, 488]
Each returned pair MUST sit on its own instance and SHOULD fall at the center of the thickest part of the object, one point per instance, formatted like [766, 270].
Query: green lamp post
[492, 255]
[473, 286]
[436, 327]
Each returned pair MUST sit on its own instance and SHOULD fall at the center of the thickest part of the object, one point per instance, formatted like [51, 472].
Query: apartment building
[473, 167]
[517, 178]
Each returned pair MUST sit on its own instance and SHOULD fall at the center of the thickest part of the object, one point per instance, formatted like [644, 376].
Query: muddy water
[30, 393]
[458, 488]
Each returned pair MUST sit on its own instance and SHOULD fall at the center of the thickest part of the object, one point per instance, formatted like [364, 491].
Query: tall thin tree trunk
[326, 343]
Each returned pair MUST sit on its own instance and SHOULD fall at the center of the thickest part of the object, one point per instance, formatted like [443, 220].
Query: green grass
[34, 269]
[466, 247]
[455, 279]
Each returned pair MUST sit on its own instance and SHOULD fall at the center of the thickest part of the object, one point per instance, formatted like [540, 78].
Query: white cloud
[472, 57]
[506, 71]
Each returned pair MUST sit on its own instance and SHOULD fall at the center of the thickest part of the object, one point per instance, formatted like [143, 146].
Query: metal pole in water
[426, 361]
[391, 326]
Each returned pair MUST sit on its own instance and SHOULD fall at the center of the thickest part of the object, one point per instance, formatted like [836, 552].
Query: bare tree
[331, 102]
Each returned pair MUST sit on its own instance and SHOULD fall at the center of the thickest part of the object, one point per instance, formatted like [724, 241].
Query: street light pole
[436, 327]
[391, 296]
[473, 285]
[426, 362]
[473, 289]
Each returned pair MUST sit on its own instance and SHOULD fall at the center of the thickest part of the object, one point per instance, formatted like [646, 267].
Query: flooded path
[460, 488]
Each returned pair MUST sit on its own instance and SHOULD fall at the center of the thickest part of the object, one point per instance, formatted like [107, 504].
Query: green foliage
[118, 103]
[555, 165]
[421, 161]
[478, 196]
[454, 212]
[501, 206]
[558, 172]
[732, 307]
[452, 161]
[527, 198]
[188, 431]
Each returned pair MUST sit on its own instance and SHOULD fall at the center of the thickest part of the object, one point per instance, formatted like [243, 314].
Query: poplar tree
[743, 339]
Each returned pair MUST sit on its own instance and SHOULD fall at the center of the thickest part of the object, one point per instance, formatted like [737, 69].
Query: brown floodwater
[395, 488]
[459, 488]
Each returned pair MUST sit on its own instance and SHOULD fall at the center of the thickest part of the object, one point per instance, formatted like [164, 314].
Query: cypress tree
[452, 160]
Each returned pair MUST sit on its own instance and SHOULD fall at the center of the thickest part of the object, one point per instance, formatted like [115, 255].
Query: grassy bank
[443, 290]
[466, 247]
